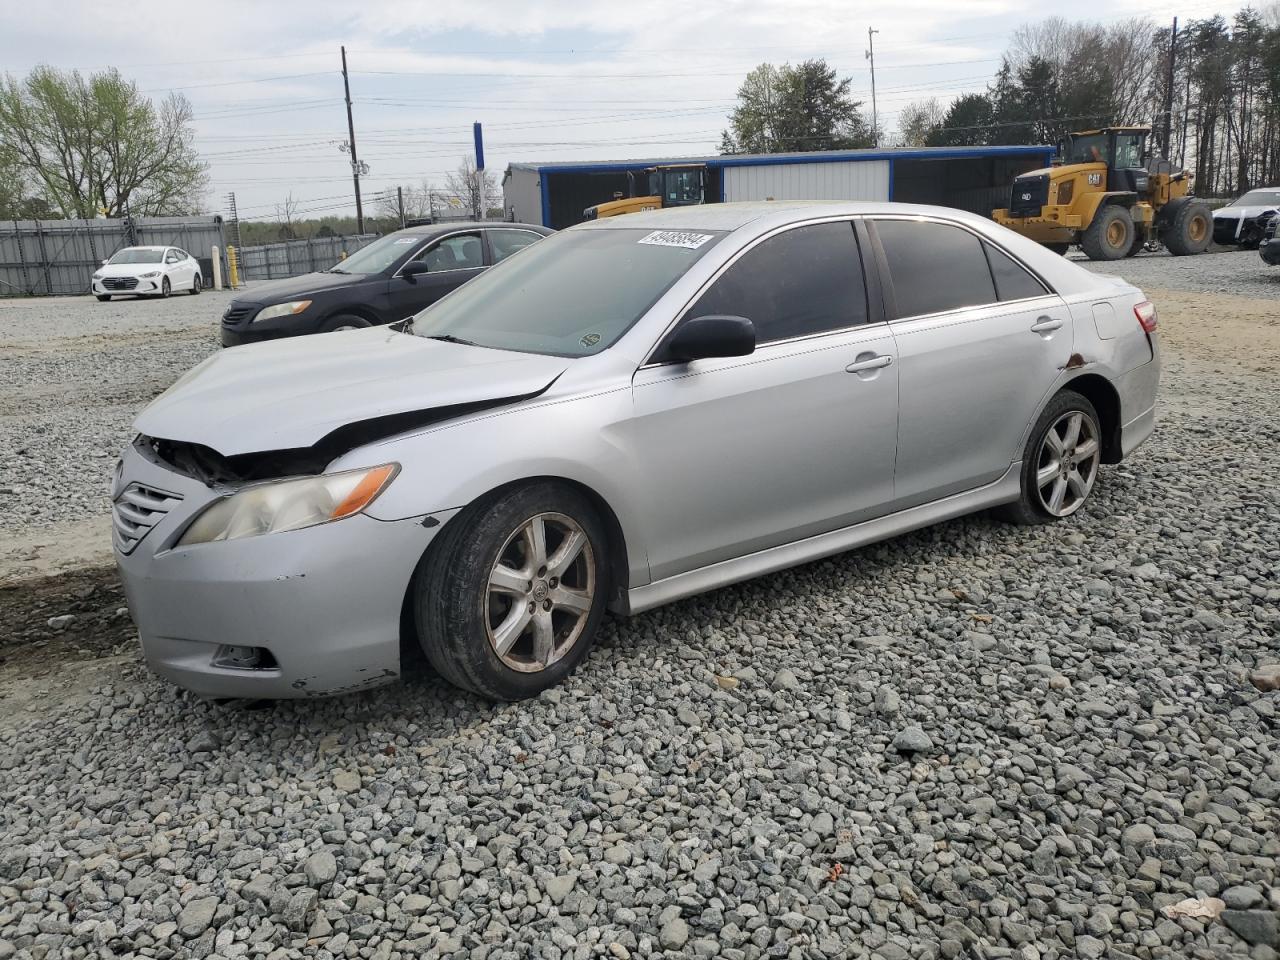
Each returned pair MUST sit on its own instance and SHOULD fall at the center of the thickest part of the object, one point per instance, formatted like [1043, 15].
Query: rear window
[1013, 282]
[935, 267]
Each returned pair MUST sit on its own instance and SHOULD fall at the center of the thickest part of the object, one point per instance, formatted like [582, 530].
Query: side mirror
[711, 336]
[413, 268]
[105, 261]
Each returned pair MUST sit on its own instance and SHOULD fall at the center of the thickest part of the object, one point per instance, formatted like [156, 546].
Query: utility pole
[351, 132]
[1168, 103]
[871, 55]
[400, 204]
[235, 218]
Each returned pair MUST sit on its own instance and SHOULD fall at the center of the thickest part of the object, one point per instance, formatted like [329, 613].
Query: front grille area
[136, 511]
[119, 283]
[236, 315]
[1028, 195]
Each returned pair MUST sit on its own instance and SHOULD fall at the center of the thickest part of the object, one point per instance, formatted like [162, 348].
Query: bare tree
[286, 211]
[916, 120]
[421, 202]
[476, 193]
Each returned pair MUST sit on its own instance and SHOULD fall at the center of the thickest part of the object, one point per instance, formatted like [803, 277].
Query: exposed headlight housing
[148, 276]
[289, 505]
[281, 310]
[1065, 190]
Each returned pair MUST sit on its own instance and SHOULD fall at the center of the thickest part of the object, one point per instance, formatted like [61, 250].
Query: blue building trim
[721, 162]
[546, 199]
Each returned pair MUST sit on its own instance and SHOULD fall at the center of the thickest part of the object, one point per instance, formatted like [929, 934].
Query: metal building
[971, 178]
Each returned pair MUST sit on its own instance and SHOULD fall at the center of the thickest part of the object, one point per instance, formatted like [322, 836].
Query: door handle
[1046, 325]
[871, 363]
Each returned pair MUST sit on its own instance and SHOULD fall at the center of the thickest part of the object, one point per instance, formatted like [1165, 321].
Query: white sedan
[147, 271]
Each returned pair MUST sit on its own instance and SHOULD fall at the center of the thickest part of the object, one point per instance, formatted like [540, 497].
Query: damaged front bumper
[302, 613]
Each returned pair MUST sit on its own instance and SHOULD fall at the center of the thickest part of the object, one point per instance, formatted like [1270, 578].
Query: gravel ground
[1226, 270]
[976, 741]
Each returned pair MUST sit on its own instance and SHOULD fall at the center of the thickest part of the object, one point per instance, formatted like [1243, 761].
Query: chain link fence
[46, 258]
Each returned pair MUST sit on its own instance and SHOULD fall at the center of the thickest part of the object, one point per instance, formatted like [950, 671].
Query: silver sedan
[629, 412]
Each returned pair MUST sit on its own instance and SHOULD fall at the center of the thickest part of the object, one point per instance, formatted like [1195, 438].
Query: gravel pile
[1227, 270]
[974, 741]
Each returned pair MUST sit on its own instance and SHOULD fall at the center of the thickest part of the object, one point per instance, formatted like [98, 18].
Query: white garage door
[844, 180]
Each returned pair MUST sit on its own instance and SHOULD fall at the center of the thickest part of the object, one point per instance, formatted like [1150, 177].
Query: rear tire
[1188, 227]
[1060, 463]
[197, 284]
[505, 611]
[1110, 235]
[344, 321]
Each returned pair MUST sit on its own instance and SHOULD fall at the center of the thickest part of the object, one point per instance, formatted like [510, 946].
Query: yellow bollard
[233, 268]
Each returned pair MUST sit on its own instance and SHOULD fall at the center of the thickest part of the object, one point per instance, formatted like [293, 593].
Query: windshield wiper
[450, 338]
[336, 270]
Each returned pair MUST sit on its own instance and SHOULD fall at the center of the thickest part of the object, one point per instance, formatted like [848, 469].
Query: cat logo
[1095, 179]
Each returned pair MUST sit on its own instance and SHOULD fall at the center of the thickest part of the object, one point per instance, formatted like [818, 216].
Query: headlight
[289, 505]
[281, 310]
[1065, 190]
[97, 276]
[153, 273]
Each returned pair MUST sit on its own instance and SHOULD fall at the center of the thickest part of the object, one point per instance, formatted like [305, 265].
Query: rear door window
[935, 267]
[1013, 282]
[507, 242]
[805, 281]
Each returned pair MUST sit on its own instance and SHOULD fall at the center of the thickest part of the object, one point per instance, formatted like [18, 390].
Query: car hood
[290, 394]
[127, 269]
[296, 288]
[1236, 213]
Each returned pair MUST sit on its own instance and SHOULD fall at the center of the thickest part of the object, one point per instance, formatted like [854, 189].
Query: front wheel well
[1099, 391]
[619, 565]
[355, 310]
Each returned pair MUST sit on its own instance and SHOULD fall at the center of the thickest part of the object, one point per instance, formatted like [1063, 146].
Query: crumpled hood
[289, 394]
[296, 288]
[1236, 213]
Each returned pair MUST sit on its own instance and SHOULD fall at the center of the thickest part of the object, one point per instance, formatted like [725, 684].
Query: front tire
[1188, 227]
[1058, 248]
[343, 321]
[165, 289]
[1110, 235]
[511, 594]
[1060, 463]
[103, 297]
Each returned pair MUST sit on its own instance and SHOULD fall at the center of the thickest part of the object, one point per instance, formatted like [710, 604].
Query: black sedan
[392, 278]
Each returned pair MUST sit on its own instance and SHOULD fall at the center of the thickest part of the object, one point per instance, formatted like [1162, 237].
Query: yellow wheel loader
[1105, 194]
[669, 185]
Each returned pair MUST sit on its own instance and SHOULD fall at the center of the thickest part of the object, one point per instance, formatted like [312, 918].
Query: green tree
[967, 123]
[96, 145]
[800, 108]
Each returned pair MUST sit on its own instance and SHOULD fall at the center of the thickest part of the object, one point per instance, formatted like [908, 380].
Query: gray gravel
[1225, 270]
[976, 741]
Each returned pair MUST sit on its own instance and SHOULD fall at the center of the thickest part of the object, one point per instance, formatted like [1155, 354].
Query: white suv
[147, 271]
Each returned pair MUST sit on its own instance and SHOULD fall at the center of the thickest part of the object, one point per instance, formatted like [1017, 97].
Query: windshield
[1091, 149]
[570, 295]
[1257, 198]
[137, 255]
[379, 255]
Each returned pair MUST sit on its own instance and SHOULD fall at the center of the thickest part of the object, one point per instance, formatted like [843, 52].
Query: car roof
[452, 226]
[148, 246]
[733, 216]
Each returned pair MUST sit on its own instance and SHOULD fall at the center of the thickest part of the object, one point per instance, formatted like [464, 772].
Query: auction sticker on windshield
[676, 238]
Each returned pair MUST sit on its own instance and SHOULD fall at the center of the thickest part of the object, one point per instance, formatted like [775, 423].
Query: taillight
[1146, 314]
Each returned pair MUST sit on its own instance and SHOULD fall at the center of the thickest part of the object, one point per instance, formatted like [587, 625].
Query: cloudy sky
[550, 80]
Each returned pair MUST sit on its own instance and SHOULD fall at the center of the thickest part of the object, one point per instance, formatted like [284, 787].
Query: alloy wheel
[540, 592]
[1068, 463]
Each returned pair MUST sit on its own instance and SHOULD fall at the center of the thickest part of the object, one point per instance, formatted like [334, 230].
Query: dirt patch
[47, 658]
[1235, 332]
[42, 551]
